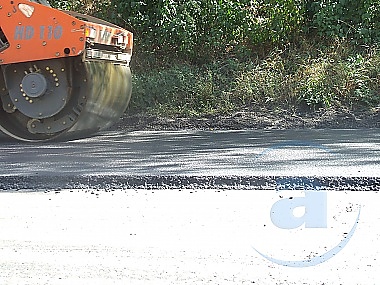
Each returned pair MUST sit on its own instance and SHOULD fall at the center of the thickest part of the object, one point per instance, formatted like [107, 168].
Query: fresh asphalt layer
[252, 158]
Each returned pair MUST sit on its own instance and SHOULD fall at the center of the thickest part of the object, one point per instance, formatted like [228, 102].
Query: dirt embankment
[258, 119]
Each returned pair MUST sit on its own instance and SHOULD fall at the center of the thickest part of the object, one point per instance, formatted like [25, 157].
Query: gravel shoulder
[256, 119]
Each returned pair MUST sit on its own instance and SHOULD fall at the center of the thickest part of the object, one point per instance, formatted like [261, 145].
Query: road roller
[64, 74]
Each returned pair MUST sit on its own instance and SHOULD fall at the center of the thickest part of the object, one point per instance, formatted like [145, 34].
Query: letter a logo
[315, 211]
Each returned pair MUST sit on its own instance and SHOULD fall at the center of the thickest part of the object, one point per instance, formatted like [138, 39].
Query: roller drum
[109, 91]
[62, 98]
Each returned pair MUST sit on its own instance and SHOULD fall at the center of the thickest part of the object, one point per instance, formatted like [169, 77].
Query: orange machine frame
[46, 33]
[37, 32]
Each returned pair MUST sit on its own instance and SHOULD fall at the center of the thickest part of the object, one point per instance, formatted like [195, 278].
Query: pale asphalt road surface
[190, 235]
[349, 153]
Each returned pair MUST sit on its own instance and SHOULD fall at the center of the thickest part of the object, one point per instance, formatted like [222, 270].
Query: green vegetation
[199, 57]
[299, 76]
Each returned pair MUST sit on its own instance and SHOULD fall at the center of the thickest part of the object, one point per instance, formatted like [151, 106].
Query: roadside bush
[356, 20]
[92, 7]
[203, 30]
[73, 5]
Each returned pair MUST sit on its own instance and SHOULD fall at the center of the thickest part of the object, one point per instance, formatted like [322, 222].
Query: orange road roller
[64, 74]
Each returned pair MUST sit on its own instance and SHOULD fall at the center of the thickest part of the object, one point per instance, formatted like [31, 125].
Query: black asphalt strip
[111, 183]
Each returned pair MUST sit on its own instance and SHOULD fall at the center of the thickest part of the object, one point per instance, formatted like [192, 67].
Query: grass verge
[308, 75]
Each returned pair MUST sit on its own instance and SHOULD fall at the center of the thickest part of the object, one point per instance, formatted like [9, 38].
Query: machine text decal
[44, 33]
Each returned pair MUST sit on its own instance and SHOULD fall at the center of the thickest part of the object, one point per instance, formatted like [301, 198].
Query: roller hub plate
[34, 85]
[39, 91]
